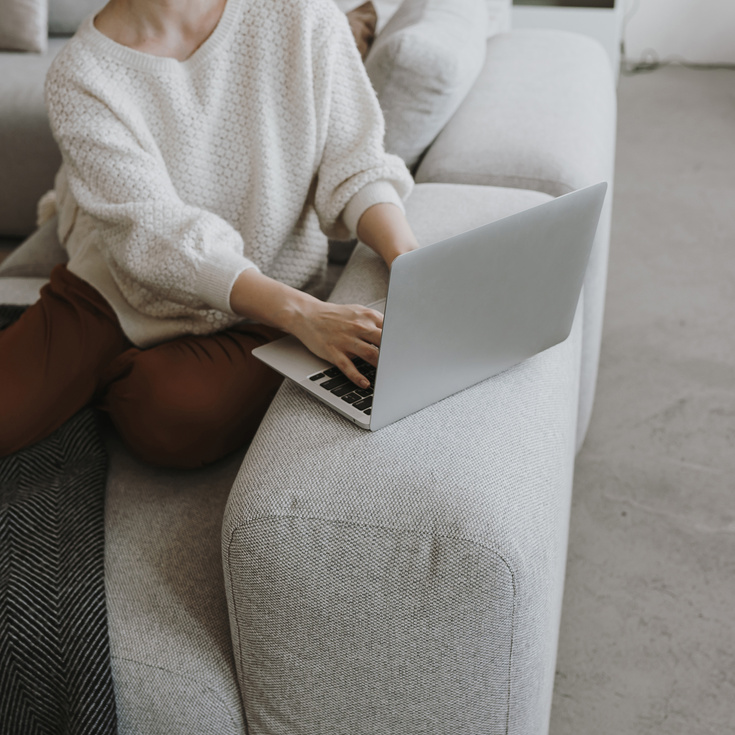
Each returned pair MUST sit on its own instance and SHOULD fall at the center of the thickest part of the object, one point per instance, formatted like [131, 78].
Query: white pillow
[23, 25]
[422, 64]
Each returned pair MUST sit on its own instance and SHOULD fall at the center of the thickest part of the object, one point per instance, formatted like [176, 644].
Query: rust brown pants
[183, 403]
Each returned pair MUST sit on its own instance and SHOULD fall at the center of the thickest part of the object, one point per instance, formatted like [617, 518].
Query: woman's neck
[172, 28]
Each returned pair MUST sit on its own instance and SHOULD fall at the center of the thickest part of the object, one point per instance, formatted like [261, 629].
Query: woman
[209, 148]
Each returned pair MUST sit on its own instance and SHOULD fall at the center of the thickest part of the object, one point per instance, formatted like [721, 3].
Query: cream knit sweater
[177, 176]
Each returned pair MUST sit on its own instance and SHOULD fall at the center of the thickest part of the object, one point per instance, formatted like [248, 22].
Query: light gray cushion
[29, 155]
[170, 644]
[21, 291]
[422, 64]
[65, 16]
[408, 580]
[36, 257]
[542, 115]
[23, 25]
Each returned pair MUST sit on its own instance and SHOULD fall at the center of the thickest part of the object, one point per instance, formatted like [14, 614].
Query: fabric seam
[182, 676]
[499, 177]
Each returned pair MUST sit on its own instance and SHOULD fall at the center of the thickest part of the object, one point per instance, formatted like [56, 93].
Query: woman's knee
[174, 419]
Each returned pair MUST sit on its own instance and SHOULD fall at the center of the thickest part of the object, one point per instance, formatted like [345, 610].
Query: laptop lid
[464, 309]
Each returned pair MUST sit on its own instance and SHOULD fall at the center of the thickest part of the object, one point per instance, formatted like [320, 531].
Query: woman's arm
[385, 229]
[354, 171]
[158, 244]
[334, 332]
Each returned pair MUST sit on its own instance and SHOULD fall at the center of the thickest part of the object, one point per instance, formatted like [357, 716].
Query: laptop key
[318, 376]
[364, 403]
[333, 372]
[343, 389]
[350, 397]
[335, 382]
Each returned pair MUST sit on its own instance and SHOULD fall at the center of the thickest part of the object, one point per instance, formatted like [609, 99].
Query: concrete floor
[648, 627]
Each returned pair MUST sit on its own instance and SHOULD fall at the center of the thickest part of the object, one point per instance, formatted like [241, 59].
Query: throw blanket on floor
[55, 674]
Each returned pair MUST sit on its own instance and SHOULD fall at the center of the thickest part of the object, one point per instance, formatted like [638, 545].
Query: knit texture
[178, 176]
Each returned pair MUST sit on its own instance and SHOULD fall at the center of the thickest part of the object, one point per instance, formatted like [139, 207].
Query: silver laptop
[460, 311]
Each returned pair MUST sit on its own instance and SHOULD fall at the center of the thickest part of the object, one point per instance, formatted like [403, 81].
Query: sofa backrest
[64, 16]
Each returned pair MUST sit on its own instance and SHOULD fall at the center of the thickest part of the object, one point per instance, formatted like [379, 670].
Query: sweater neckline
[148, 62]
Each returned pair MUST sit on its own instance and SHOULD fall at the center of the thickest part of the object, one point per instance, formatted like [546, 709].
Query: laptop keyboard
[337, 383]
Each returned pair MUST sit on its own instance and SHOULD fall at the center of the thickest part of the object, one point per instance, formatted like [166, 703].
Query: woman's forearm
[265, 300]
[385, 229]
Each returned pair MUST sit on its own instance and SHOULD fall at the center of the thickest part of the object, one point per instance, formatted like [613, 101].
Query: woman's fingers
[348, 368]
[340, 332]
[358, 335]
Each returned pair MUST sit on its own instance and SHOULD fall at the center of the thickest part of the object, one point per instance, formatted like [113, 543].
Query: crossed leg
[190, 401]
[183, 403]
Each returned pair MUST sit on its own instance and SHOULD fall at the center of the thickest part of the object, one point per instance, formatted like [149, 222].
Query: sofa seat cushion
[358, 563]
[169, 636]
[21, 291]
[541, 116]
[29, 155]
[36, 256]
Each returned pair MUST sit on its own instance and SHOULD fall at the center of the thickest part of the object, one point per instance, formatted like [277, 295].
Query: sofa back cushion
[422, 65]
[65, 16]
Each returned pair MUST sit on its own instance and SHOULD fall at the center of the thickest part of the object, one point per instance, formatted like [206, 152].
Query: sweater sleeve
[355, 172]
[116, 174]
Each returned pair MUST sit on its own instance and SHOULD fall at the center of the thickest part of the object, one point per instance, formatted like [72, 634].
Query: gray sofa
[336, 581]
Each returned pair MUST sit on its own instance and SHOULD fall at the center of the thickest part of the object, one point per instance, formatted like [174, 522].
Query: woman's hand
[334, 332]
[337, 333]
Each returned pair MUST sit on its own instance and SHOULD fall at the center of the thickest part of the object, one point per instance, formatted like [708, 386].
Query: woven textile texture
[55, 674]
[169, 636]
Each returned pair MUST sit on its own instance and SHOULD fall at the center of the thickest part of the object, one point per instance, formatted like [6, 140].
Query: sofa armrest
[408, 580]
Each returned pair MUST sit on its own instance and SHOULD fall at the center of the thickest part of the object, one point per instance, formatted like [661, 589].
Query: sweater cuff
[378, 192]
[217, 276]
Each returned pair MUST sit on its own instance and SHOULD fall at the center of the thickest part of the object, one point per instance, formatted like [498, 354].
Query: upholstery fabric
[535, 78]
[171, 654]
[22, 291]
[23, 25]
[434, 545]
[36, 257]
[30, 157]
[422, 65]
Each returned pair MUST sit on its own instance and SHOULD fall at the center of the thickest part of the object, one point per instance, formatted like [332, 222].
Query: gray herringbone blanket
[55, 672]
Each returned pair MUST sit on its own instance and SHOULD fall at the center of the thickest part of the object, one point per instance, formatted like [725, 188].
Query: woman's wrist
[256, 296]
[392, 250]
